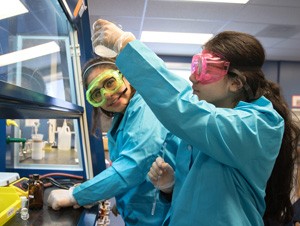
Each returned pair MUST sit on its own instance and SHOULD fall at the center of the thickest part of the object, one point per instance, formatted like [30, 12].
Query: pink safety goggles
[208, 68]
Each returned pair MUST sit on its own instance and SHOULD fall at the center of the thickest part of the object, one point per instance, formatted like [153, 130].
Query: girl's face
[118, 101]
[220, 93]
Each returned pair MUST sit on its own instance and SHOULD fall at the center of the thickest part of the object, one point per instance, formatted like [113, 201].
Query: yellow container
[10, 203]
[17, 185]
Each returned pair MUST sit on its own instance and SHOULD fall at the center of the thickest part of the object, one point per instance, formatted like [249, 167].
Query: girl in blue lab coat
[235, 163]
[135, 139]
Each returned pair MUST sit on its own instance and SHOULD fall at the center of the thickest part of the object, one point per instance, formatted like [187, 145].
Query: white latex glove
[161, 175]
[110, 35]
[61, 198]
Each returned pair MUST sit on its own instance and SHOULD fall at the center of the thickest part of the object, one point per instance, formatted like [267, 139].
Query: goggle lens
[208, 68]
[108, 82]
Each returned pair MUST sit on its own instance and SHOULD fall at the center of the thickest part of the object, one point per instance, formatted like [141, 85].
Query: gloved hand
[110, 35]
[161, 175]
[61, 198]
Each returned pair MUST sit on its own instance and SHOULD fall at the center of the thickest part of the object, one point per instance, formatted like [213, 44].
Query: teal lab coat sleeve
[217, 132]
[99, 188]
[133, 147]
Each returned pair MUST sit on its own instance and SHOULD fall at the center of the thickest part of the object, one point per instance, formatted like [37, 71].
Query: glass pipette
[156, 193]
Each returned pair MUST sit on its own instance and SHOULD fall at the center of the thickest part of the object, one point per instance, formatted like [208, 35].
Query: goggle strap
[95, 64]
[245, 84]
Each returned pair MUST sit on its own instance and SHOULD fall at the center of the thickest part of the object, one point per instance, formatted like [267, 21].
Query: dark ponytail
[281, 181]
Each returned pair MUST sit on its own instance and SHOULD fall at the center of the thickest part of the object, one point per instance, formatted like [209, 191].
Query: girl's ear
[235, 84]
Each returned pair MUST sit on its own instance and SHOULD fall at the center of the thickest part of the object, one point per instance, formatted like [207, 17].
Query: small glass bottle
[24, 208]
[35, 192]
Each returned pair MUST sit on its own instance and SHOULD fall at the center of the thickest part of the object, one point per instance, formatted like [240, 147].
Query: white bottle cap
[23, 201]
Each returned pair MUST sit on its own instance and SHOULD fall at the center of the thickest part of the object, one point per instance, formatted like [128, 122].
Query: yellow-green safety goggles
[108, 82]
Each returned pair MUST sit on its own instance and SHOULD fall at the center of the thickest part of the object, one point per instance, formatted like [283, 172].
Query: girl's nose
[192, 78]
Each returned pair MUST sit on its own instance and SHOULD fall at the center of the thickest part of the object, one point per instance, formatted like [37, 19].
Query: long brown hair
[246, 56]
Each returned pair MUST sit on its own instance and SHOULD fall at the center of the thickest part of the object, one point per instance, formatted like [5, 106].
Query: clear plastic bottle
[35, 192]
[64, 137]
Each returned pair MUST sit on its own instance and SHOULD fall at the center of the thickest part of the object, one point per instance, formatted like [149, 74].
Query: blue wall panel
[290, 80]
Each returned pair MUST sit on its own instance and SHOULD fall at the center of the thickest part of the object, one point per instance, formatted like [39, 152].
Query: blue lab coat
[226, 155]
[134, 141]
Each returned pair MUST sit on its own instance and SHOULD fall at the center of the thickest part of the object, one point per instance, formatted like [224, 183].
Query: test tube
[156, 193]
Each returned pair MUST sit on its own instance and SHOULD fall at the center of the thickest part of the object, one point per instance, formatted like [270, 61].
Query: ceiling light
[175, 37]
[11, 8]
[29, 53]
[220, 1]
